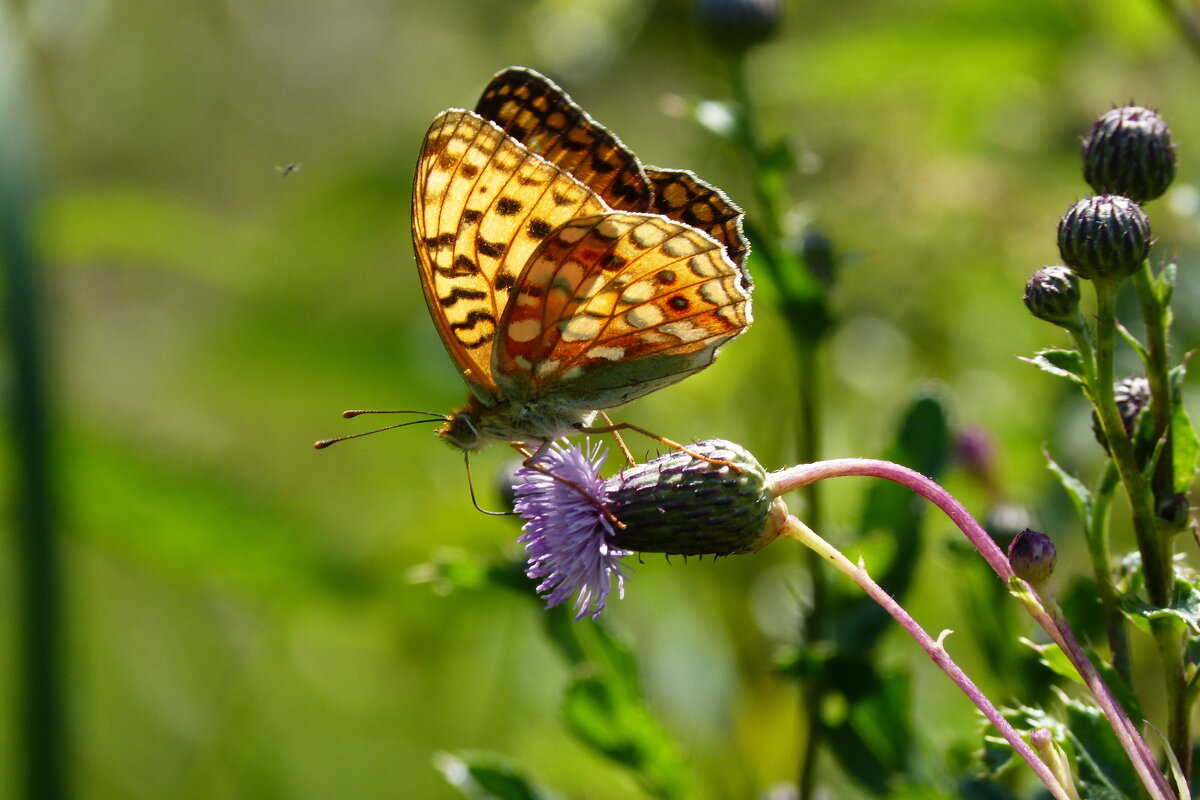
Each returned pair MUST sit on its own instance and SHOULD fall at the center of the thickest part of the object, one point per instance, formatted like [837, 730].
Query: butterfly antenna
[358, 412]
[321, 445]
[471, 486]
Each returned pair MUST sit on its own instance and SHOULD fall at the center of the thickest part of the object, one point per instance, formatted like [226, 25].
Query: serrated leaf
[1185, 608]
[1079, 494]
[1063, 363]
[485, 776]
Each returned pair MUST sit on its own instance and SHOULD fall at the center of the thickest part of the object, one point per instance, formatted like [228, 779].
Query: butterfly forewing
[534, 110]
[617, 305]
[482, 203]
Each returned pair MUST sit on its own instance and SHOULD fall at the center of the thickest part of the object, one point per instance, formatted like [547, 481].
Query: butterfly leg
[471, 486]
[628, 426]
[620, 442]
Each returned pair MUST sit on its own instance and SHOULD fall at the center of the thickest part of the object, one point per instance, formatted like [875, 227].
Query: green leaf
[872, 741]
[1102, 766]
[1185, 608]
[1063, 363]
[1053, 657]
[485, 776]
[1164, 285]
[618, 727]
[1079, 494]
[1185, 445]
[1137, 347]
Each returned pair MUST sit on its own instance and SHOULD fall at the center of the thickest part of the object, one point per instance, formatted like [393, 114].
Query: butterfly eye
[460, 431]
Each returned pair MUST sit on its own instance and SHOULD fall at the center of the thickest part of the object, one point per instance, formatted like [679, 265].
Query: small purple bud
[1104, 238]
[1032, 556]
[1129, 152]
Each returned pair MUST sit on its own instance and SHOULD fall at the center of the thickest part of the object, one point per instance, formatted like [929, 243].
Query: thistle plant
[1140, 421]
[715, 499]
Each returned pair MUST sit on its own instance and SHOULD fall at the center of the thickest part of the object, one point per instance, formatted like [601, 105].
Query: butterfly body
[563, 276]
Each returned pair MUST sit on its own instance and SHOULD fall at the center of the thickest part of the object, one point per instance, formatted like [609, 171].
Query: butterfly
[563, 276]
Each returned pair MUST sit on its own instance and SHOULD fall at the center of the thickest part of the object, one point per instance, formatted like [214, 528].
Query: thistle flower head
[711, 499]
[1104, 238]
[567, 534]
[1129, 152]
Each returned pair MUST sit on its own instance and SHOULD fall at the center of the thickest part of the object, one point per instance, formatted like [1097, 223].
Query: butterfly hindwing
[482, 204]
[683, 197]
[617, 305]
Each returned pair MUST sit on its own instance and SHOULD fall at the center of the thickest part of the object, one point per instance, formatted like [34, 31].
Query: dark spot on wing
[507, 206]
[489, 249]
[461, 294]
[678, 302]
[539, 228]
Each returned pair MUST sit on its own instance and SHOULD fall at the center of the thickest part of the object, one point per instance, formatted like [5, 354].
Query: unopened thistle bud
[1129, 152]
[1133, 396]
[1052, 294]
[737, 25]
[682, 505]
[1104, 238]
[1032, 556]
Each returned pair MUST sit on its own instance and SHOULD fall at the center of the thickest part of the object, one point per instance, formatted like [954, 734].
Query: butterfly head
[461, 429]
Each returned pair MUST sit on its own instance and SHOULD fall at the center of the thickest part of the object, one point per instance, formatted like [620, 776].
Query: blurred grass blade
[40, 724]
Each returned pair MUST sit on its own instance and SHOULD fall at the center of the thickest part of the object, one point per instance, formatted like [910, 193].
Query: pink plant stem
[798, 530]
[1139, 754]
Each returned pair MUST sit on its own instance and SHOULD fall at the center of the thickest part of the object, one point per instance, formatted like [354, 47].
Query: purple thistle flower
[712, 498]
[567, 533]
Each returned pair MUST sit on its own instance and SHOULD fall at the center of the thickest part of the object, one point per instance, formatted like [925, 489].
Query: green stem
[1158, 372]
[1156, 549]
[1156, 558]
[1097, 538]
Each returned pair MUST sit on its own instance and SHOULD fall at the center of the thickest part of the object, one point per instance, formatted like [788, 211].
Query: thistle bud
[737, 25]
[1052, 294]
[1104, 238]
[682, 505]
[1129, 152]
[1133, 397]
[1032, 556]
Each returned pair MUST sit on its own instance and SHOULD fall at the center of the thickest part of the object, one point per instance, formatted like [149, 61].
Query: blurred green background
[241, 619]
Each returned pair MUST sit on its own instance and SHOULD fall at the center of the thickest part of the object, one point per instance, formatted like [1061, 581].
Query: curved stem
[802, 533]
[1139, 754]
